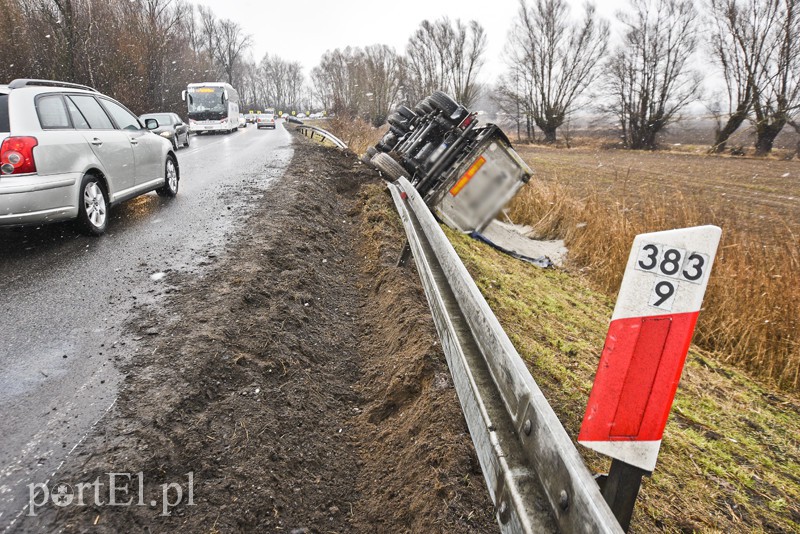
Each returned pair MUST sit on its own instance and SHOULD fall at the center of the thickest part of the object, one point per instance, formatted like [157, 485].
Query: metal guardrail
[318, 134]
[535, 476]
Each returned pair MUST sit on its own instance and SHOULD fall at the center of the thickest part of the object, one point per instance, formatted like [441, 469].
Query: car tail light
[16, 155]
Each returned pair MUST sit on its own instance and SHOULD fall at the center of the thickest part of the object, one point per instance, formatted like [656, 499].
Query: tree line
[141, 52]
[445, 55]
[145, 52]
[559, 64]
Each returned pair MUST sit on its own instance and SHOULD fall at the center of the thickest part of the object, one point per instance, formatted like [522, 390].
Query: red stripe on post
[641, 374]
[639, 371]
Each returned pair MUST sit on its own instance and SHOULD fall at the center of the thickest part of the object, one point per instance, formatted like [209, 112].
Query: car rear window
[4, 125]
[52, 113]
[91, 110]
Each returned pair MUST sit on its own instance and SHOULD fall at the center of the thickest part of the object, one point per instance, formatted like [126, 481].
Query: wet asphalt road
[65, 298]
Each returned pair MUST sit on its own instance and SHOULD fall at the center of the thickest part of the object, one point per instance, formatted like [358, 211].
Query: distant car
[69, 152]
[242, 122]
[170, 127]
[250, 118]
[301, 115]
[265, 120]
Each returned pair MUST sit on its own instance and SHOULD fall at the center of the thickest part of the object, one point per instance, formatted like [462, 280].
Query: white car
[69, 152]
[242, 121]
[265, 120]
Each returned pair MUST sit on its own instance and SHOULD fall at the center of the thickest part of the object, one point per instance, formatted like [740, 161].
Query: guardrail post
[405, 255]
[620, 490]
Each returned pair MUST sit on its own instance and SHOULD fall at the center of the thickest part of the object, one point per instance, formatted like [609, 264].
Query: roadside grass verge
[597, 201]
[357, 133]
[730, 460]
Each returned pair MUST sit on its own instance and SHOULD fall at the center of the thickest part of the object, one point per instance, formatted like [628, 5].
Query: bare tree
[559, 59]
[231, 43]
[336, 80]
[446, 56]
[381, 78]
[741, 34]
[359, 82]
[776, 100]
[795, 124]
[649, 76]
[512, 96]
[468, 50]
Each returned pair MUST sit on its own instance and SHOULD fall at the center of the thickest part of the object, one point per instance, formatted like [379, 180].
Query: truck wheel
[388, 166]
[444, 103]
[405, 112]
[397, 132]
[398, 122]
[367, 157]
[424, 107]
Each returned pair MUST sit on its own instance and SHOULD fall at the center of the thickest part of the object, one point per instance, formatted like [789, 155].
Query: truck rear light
[474, 168]
[16, 155]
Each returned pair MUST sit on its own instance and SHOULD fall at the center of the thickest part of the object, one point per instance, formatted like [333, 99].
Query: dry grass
[357, 133]
[599, 200]
[730, 459]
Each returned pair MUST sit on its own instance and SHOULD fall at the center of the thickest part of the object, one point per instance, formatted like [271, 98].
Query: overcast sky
[302, 30]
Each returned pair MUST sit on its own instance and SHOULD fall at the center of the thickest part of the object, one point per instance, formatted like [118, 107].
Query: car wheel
[388, 166]
[175, 141]
[92, 206]
[171, 179]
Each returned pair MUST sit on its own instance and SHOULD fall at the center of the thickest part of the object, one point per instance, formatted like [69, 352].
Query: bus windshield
[207, 103]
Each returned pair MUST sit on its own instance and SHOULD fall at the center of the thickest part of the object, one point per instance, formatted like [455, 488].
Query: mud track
[300, 382]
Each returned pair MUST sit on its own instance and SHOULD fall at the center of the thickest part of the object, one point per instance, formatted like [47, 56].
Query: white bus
[212, 107]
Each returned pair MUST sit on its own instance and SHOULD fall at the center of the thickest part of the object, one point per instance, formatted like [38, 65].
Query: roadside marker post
[648, 339]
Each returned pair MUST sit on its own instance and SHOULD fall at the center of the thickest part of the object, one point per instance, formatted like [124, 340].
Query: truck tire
[388, 166]
[405, 112]
[398, 121]
[367, 157]
[444, 103]
[424, 107]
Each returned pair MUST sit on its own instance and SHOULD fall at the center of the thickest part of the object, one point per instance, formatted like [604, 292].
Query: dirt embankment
[299, 381]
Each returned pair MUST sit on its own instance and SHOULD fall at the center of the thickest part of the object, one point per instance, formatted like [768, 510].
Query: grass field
[730, 459]
[598, 200]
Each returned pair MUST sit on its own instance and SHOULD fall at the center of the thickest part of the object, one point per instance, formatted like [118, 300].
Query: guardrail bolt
[503, 512]
[563, 500]
[527, 427]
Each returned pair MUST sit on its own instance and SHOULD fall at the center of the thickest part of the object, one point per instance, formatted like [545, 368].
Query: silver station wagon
[69, 152]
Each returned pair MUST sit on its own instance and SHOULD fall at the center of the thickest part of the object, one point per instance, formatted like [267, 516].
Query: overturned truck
[466, 172]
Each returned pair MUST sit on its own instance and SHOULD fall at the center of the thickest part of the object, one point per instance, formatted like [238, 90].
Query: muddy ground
[299, 381]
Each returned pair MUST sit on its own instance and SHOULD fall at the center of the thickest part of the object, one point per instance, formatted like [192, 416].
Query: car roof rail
[26, 82]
